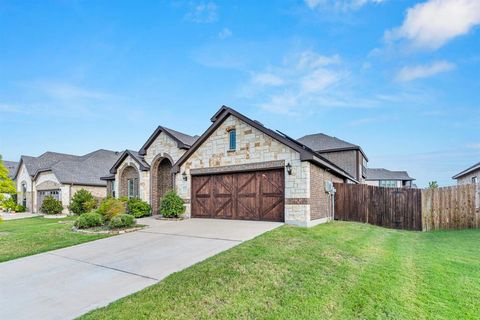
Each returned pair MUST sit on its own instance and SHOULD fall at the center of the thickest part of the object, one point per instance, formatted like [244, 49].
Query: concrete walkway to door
[69, 282]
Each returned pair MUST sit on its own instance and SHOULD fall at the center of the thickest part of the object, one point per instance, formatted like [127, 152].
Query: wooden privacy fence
[398, 208]
[450, 208]
[411, 209]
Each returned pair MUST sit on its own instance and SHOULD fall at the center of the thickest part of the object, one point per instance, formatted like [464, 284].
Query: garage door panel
[246, 196]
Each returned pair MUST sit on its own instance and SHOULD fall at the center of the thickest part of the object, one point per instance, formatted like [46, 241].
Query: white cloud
[267, 79]
[432, 24]
[203, 13]
[225, 33]
[410, 73]
[340, 5]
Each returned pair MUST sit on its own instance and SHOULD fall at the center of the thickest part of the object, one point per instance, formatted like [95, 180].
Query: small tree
[82, 201]
[6, 184]
[433, 185]
[50, 205]
[171, 205]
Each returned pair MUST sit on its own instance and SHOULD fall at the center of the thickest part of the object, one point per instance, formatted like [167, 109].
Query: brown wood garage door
[256, 195]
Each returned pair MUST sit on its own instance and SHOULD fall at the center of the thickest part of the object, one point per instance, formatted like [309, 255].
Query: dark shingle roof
[144, 166]
[466, 171]
[185, 138]
[384, 174]
[321, 142]
[184, 141]
[11, 167]
[71, 169]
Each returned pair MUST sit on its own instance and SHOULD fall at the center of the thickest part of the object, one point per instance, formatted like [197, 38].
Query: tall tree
[6, 184]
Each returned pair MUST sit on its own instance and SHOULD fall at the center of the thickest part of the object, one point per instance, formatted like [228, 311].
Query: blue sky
[399, 78]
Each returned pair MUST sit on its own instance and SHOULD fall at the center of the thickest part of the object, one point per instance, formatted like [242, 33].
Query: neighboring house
[11, 167]
[61, 175]
[469, 176]
[239, 169]
[385, 178]
[348, 156]
[146, 174]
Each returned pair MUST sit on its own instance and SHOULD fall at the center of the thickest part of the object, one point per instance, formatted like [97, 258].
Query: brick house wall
[320, 204]
[129, 172]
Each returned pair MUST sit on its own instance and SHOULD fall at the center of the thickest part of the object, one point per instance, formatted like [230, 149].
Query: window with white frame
[388, 183]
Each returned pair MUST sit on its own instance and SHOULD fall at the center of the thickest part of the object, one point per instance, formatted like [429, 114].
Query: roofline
[41, 171]
[122, 157]
[394, 179]
[467, 171]
[155, 134]
[345, 149]
[306, 154]
[108, 178]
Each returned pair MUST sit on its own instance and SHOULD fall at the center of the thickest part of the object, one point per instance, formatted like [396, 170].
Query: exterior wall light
[289, 168]
[184, 176]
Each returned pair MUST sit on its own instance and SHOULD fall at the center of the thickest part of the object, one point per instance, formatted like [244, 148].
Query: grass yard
[335, 271]
[24, 237]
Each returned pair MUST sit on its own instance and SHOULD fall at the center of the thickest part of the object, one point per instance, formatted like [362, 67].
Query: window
[132, 185]
[474, 180]
[388, 183]
[113, 188]
[233, 139]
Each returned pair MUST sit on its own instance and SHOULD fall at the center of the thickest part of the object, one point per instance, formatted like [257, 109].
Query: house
[380, 177]
[469, 176]
[61, 175]
[146, 174]
[239, 169]
[348, 156]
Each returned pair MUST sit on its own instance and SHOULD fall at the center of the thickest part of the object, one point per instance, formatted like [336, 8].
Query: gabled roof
[144, 166]
[384, 174]
[11, 167]
[323, 143]
[306, 154]
[467, 171]
[72, 169]
[184, 141]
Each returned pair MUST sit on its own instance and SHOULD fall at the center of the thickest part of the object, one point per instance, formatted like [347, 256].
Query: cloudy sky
[400, 78]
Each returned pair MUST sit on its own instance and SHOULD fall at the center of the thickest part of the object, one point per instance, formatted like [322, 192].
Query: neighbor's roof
[184, 141]
[384, 174]
[467, 171]
[322, 142]
[72, 169]
[306, 153]
[11, 167]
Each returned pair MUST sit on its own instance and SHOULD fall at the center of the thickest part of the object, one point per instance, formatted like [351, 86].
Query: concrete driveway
[69, 282]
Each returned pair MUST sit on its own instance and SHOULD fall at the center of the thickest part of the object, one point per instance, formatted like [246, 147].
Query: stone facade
[24, 178]
[253, 146]
[320, 201]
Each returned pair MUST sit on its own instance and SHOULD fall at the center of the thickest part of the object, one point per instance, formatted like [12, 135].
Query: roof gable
[467, 171]
[306, 154]
[323, 143]
[184, 141]
[144, 166]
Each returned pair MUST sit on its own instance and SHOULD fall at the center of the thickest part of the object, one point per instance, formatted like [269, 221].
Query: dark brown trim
[256, 166]
[124, 155]
[155, 134]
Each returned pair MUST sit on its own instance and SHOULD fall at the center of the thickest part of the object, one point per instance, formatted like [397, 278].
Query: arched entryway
[129, 182]
[162, 180]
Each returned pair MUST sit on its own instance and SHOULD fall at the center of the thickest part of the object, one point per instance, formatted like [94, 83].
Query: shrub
[82, 201]
[50, 205]
[9, 204]
[122, 221]
[138, 208]
[111, 207]
[89, 220]
[20, 208]
[171, 205]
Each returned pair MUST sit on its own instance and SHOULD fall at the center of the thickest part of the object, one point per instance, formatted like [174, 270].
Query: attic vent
[258, 122]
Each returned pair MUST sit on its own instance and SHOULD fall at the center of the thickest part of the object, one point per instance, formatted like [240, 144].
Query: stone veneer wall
[320, 205]
[48, 181]
[23, 176]
[97, 192]
[253, 146]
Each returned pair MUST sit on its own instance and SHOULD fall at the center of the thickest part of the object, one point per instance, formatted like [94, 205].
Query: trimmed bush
[20, 208]
[89, 220]
[171, 205]
[111, 207]
[82, 201]
[9, 204]
[138, 208]
[50, 205]
[122, 221]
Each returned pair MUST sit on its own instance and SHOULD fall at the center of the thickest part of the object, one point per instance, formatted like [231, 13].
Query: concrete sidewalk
[19, 215]
[69, 282]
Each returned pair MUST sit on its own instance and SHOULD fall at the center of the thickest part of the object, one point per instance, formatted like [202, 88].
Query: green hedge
[50, 205]
[122, 221]
[171, 205]
[89, 220]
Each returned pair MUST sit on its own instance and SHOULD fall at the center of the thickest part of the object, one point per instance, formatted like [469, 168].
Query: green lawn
[24, 237]
[333, 271]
